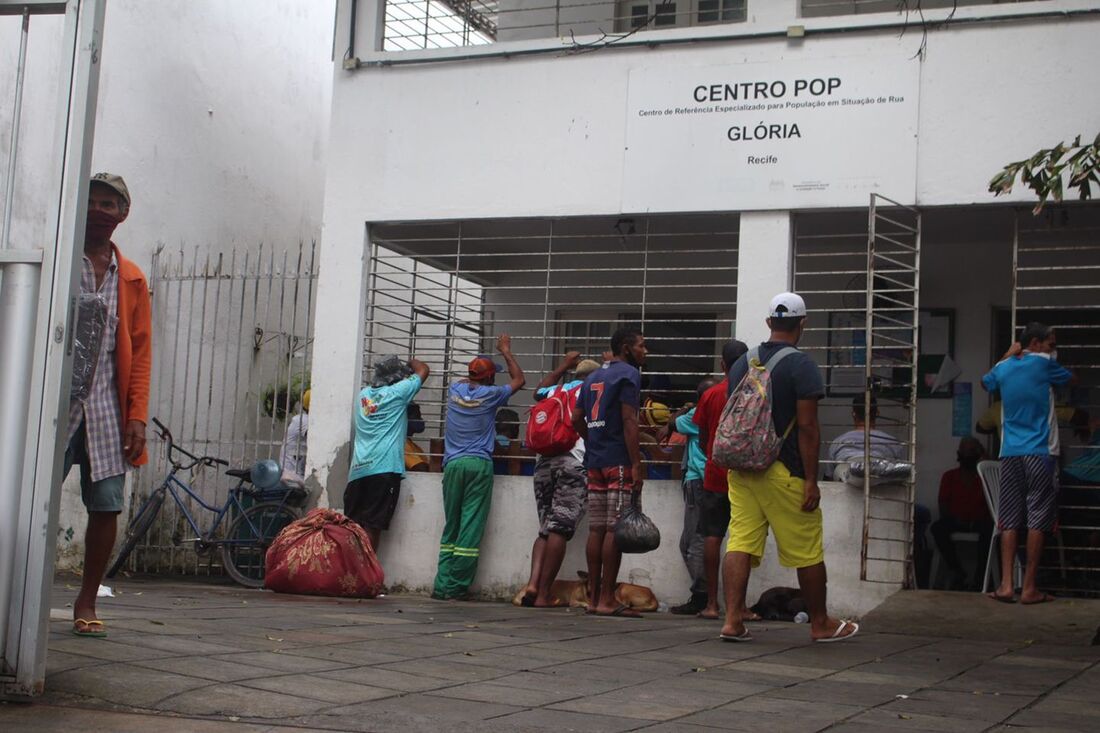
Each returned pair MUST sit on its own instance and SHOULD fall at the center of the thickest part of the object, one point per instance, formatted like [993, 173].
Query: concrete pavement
[193, 656]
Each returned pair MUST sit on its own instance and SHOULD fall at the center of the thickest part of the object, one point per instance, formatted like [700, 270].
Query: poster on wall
[788, 134]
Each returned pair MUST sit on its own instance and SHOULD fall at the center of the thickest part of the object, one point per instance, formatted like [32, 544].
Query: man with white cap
[469, 437]
[785, 496]
[109, 399]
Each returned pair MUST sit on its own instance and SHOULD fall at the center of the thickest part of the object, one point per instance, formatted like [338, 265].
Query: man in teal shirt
[378, 460]
[691, 540]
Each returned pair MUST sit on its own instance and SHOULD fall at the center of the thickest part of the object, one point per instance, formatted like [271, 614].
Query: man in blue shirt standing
[1029, 449]
[469, 437]
[691, 539]
[606, 416]
[378, 460]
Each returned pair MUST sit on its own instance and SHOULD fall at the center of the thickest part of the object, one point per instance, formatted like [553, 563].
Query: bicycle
[247, 536]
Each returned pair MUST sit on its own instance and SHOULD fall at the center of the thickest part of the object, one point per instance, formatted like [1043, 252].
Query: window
[634, 14]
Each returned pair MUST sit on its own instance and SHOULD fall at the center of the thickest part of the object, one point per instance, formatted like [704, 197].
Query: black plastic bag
[635, 532]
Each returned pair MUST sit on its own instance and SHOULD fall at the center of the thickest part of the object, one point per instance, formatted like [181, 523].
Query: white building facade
[548, 178]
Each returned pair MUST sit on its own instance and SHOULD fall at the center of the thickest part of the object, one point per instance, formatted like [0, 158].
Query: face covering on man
[100, 226]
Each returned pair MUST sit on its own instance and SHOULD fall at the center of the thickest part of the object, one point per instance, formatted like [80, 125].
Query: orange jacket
[133, 345]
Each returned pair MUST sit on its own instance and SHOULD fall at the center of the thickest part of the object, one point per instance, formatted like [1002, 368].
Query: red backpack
[550, 425]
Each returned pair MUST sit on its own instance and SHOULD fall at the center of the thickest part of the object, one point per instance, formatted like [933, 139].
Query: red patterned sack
[324, 554]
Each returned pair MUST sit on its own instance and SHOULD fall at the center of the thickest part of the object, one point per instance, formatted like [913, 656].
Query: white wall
[215, 113]
[409, 550]
[544, 135]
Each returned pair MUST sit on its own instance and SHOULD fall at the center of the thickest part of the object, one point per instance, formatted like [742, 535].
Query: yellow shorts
[773, 498]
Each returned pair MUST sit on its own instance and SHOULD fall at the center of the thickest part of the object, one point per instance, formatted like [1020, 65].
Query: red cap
[482, 368]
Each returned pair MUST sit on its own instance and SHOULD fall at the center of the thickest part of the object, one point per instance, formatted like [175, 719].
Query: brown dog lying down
[574, 594]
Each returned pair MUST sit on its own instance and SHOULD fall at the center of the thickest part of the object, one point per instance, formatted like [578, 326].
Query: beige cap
[114, 182]
[585, 367]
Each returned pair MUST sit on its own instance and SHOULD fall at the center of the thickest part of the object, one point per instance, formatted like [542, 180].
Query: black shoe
[693, 606]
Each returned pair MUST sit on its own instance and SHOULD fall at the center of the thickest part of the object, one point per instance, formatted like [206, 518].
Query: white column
[764, 268]
[341, 298]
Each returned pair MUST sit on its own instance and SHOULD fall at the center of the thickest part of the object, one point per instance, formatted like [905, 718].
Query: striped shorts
[1028, 493]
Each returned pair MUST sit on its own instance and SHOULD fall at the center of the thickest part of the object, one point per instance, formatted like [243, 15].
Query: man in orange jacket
[109, 401]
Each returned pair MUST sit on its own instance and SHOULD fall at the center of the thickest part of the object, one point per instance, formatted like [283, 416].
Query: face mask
[968, 464]
[100, 226]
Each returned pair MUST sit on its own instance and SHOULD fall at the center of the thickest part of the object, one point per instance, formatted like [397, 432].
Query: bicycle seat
[241, 473]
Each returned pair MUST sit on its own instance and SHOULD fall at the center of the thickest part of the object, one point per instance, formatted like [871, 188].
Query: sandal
[837, 636]
[94, 628]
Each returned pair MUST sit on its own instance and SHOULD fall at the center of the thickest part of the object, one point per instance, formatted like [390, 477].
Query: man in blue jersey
[378, 460]
[469, 438]
[1029, 449]
[606, 416]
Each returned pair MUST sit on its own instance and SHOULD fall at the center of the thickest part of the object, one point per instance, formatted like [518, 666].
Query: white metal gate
[1056, 281]
[232, 344]
[36, 315]
[860, 275]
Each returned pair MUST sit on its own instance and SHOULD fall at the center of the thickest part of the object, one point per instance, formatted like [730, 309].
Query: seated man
[963, 509]
[415, 457]
[849, 446]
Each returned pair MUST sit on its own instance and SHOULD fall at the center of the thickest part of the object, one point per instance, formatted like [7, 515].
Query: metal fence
[444, 291]
[232, 342]
[424, 24]
[859, 273]
[1056, 271]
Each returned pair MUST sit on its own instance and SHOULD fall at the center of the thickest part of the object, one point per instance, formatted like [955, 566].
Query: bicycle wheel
[137, 528]
[248, 537]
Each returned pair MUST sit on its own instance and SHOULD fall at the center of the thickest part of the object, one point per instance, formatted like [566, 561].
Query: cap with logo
[115, 183]
[482, 367]
[787, 305]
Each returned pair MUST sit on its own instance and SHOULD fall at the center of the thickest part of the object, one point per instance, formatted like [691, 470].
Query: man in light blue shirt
[1029, 448]
[469, 437]
[695, 461]
[378, 460]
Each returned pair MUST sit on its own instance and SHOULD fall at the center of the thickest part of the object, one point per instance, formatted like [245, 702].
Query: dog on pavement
[574, 594]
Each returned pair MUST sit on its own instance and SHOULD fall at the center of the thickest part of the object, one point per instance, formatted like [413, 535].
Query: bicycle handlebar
[166, 435]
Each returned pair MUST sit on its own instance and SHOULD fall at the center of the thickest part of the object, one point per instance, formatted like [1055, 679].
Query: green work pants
[467, 493]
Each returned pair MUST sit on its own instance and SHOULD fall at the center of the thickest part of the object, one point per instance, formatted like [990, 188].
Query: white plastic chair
[956, 537]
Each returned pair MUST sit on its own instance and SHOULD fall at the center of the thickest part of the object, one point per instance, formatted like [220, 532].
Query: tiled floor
[192, 656]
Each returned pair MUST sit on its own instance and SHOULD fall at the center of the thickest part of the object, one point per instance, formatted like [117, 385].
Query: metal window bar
[1055, 258]
[444, 291]
[233, 334]
[426, 24]
[859, 274]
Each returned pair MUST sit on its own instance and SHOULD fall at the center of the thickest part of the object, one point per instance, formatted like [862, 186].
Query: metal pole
[17, 111]
[17, 298]
[49, 339]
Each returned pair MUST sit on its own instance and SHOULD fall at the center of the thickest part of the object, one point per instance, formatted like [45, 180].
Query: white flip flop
[837, 634]
[744, 636]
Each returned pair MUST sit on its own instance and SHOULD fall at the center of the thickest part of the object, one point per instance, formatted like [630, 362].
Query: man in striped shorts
[1029, 451]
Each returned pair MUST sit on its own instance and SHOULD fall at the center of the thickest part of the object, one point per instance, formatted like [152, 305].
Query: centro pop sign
[781, 135]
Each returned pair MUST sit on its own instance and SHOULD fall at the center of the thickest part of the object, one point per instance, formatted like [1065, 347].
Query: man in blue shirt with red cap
[469, 437]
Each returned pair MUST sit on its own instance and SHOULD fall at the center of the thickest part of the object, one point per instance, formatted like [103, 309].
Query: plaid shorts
[561, 492]
[605, 507]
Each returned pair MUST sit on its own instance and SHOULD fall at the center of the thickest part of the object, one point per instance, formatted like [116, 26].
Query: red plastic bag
[324, 554]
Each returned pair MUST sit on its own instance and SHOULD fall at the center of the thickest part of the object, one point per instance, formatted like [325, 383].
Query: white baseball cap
[787, 305]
